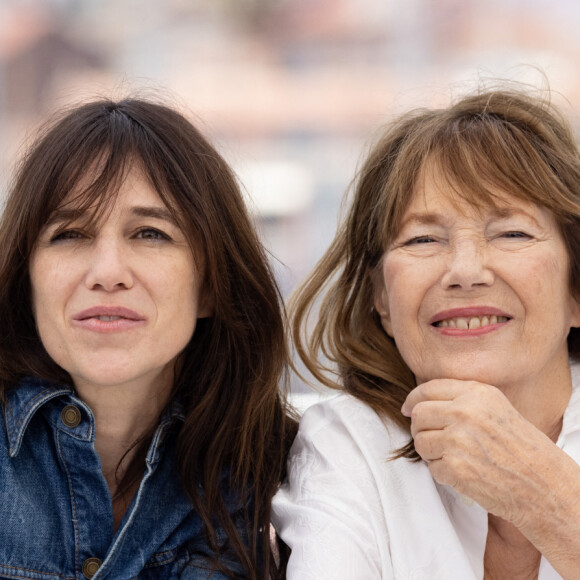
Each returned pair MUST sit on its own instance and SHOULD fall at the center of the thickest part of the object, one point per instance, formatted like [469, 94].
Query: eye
[64, 235]
[152, 234]
[419, 240]
[516, 235]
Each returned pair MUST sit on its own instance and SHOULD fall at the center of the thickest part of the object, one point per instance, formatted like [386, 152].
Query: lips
[108, 314]
[108, 319]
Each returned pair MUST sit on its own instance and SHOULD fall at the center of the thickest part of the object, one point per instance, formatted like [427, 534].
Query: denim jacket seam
[55, 574]
[112, 553]
[73, 500]
[154, 453]
[168, 555]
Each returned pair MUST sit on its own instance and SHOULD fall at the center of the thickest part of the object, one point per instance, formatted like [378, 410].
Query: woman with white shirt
[449, 309]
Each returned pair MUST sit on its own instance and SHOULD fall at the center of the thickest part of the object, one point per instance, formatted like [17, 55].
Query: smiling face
[477, 294]
[115, 302]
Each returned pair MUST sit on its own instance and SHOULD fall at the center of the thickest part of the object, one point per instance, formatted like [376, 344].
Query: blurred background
[289, 90]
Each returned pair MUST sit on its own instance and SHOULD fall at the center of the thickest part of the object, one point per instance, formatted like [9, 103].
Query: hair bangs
[90, 156]
[110, 145]
[488, 156]
[93, 192]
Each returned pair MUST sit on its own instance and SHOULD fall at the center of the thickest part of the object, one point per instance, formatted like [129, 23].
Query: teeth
[474, 323]
[471, 323]
[108, 318]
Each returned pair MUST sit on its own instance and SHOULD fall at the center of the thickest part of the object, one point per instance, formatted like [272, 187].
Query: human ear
[574, 313]
[381, 303]
[206, 304]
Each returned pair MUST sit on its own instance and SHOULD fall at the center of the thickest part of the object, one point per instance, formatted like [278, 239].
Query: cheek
[546, 280]
[183, 318]
[405, 286]
[53, 282]
[50, 281]
[179, 292]
[559, 289]
[37, 288]
[543, 274]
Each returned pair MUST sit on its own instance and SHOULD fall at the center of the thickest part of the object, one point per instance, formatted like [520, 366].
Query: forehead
[435, 191]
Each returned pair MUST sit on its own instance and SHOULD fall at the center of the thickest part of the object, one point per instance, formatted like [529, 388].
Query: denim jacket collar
[56, 507]
[23, 401]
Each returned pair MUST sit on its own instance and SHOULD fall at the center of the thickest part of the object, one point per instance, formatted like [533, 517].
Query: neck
[123, 414]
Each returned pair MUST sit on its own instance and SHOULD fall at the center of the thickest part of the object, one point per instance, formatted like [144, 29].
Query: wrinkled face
[115, 302]
[477, 294]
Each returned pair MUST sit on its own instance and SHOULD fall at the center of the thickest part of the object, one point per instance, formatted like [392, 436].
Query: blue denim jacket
[56, 510]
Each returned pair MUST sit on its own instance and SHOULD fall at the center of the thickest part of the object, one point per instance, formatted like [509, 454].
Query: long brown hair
[229, 375]
[502, 140]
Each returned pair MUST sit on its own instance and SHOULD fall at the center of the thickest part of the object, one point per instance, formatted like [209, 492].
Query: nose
[108, 267]
[468, 268]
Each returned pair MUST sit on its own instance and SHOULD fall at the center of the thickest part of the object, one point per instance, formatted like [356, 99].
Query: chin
[108, 376]
[480, 374]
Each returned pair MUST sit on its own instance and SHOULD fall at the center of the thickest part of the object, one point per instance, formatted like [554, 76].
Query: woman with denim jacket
[141, 352]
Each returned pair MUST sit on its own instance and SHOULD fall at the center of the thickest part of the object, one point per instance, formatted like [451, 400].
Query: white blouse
[348, 513]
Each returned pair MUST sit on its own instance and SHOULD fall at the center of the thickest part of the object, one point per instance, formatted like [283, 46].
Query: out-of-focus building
[34, 54]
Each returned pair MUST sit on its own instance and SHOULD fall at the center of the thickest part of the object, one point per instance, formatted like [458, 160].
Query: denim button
[91, 565]
[70, 416]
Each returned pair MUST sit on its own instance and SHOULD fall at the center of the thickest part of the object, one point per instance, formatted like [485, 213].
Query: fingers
[447, 415]
[428, 405]
[435, 390]
[429, 445]
[429, 415]
[477, 442]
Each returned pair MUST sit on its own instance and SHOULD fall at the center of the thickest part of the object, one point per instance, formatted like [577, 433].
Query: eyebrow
[62, 215]
[160, 213]
[508, 212]
[66, 215]
[438, 218]
[423, 219]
